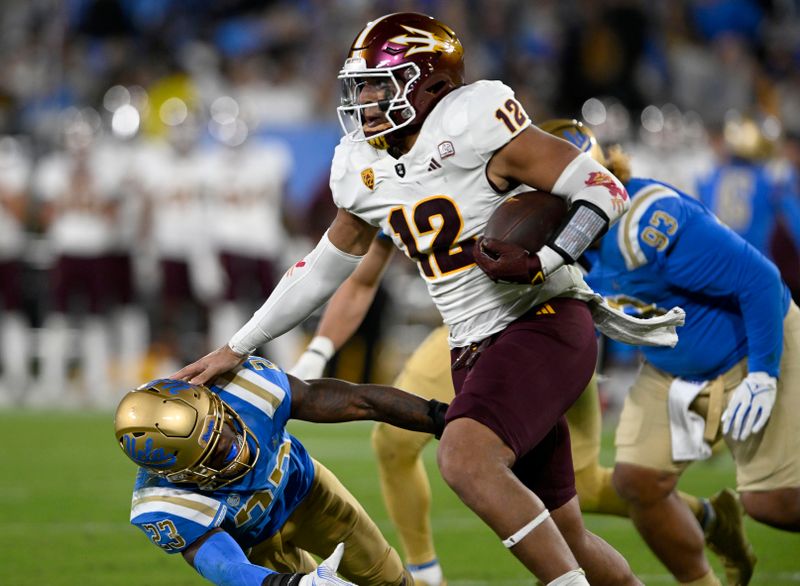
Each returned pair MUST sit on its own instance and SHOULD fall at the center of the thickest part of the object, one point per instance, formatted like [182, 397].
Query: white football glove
[750, 406]
[325, 574]
[311, 363]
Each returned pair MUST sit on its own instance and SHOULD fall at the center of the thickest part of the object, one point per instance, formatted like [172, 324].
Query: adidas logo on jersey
[434, 164]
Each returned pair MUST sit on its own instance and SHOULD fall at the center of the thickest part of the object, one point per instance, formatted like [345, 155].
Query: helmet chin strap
[393, 141]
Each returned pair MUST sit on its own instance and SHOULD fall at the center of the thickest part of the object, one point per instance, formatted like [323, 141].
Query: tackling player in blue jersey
[734, 374]
[222, 482]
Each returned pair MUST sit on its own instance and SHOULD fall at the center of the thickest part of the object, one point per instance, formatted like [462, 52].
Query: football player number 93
[662, 226]
[450, 254]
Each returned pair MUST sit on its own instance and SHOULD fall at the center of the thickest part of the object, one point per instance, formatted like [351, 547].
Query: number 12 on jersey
[450, 254]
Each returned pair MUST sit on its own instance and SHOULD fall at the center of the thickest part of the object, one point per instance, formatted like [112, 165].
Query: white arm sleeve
[305, 287]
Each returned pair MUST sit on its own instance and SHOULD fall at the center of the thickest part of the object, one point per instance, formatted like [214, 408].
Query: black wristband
[580, 235]
[436, 411]
[282, 580]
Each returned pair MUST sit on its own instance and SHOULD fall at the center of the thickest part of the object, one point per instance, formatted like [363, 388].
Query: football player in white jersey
[15, 335]
[78, 189]
[246, 185]
[427, 159]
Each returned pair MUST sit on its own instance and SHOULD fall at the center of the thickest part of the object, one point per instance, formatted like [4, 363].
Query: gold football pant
[327, 516]
[404, 483]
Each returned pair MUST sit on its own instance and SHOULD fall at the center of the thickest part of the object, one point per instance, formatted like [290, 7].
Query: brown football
[528, 219]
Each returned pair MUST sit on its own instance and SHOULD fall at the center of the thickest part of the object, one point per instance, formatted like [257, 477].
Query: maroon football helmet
[397, 69]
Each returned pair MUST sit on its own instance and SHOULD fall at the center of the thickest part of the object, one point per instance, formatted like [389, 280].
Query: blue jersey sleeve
[220, 560]
[261, 384]
[705, 258]
[173, 518]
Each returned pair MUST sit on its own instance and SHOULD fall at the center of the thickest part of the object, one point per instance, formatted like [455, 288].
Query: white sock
[571, 578]
[430, 573]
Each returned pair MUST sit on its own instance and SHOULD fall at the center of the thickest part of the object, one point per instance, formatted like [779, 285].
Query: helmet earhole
[406, 114]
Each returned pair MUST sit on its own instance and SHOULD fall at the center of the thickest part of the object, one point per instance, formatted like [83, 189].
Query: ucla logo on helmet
[579, 139]
[203, 439]
[147, 456]
[172, 386]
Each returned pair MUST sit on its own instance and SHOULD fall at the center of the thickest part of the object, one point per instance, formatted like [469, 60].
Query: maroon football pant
[520, 385]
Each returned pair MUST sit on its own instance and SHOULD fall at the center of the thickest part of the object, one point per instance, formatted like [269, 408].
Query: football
[528, 219]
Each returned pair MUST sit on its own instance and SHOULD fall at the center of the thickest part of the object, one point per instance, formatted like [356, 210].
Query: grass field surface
[65, 494]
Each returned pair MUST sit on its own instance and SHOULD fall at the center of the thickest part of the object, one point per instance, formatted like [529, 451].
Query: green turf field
[65, 495]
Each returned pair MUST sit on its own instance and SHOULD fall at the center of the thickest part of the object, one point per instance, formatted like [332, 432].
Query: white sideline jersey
[435, 201]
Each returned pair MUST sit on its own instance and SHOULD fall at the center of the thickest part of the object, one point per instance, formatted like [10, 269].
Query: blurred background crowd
[163, 161]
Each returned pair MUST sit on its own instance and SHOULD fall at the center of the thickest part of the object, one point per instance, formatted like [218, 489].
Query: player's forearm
[221, 561]
[305, 287]
[761, 292]
[597, 200]
[336, 401]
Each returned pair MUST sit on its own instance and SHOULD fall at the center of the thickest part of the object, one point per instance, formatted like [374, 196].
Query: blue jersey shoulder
[256, 388]
[654, 222]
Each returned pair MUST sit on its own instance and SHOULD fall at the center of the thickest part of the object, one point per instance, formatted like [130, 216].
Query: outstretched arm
[345, 310]
[219, 559]
[304, 287]
[330, 400]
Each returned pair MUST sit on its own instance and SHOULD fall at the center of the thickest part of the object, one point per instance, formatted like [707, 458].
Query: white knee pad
[572, 578]
[520, 535]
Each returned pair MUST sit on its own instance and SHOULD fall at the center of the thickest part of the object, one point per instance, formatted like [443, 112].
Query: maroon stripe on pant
[82, 279]
[248, 277]
[11, 285]
[522, 383]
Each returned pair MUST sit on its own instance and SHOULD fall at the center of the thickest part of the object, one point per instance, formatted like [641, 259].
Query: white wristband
[322, 346]
[550, 260]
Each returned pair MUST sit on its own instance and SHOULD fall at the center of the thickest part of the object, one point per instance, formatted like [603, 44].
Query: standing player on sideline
[734, 374]
[427, 159]
[404, 482]
[220, 476]
[751, 188]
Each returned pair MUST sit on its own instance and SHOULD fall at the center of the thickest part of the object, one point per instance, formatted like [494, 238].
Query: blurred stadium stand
[117, 118]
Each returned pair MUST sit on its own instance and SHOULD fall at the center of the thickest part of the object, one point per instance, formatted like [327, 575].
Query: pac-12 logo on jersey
[368, 177]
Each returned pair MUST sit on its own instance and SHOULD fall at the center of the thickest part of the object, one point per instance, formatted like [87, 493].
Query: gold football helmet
[751, 139]
[577, 133]
[174, 429]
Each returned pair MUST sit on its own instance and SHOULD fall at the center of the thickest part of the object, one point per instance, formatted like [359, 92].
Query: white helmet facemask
[390, 86]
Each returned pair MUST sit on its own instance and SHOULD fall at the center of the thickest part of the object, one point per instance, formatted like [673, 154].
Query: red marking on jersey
[601, 179]
[300, 263]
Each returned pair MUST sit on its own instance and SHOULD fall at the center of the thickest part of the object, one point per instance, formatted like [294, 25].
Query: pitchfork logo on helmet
[397, 70]
[173, 429]
[420, 41]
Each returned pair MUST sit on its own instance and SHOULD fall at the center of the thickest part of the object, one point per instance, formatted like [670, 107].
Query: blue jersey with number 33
[668, 250]
[255, 507]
